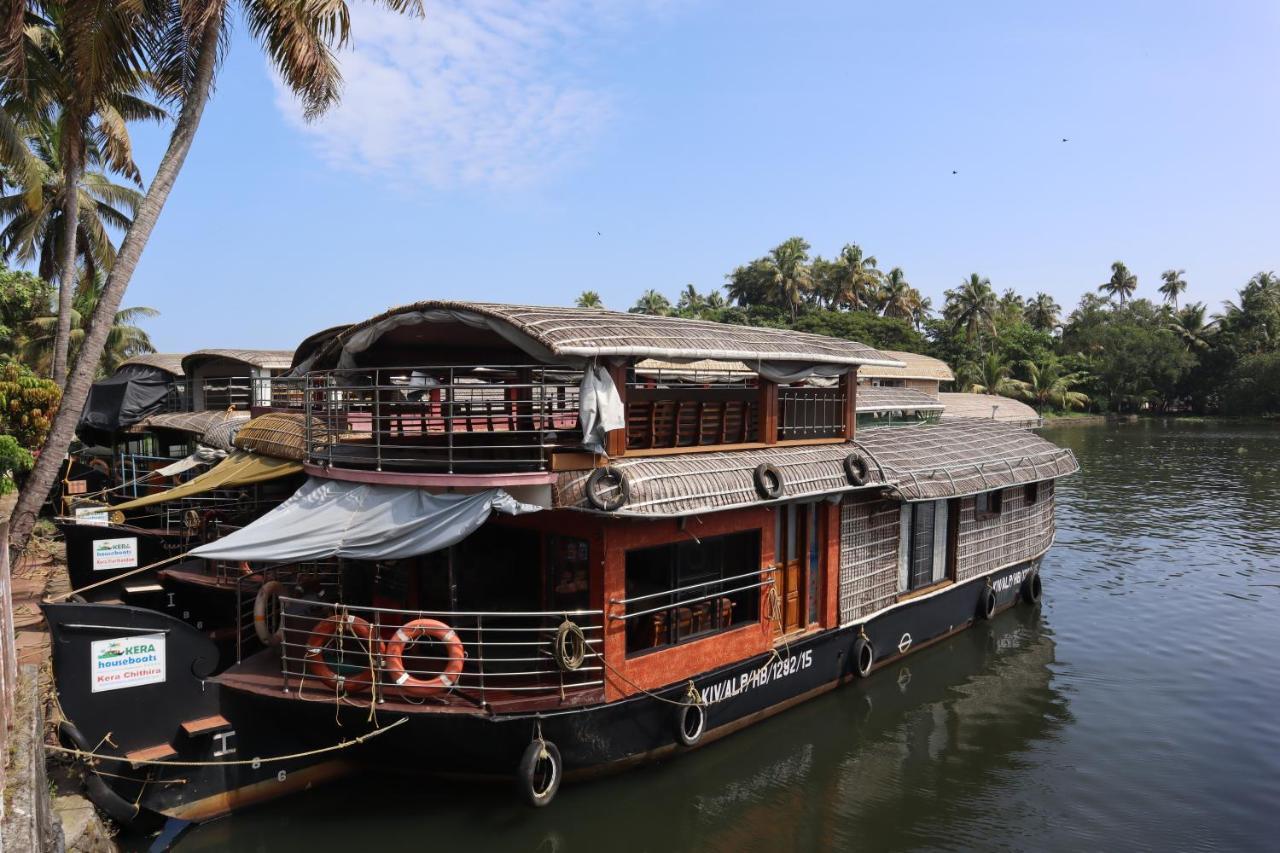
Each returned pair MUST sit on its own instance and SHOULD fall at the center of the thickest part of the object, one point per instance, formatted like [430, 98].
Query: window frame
[994, 504]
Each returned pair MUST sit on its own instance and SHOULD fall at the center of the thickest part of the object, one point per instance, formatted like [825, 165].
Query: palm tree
[715, 300]
[84, 71]
[652, 302]
[1190, 325]
[1046, 384]
[34, 231]
[1122, 283]
[900, 299]
[124, 340]
[589, 299]
[1174, 284]
[972, 306]
[691, 301]
[854, 278]
[1042, 313]
[789, 268]
[183, 43]
[991, 376]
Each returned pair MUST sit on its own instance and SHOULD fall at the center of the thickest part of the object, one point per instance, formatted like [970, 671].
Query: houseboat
[563, 542]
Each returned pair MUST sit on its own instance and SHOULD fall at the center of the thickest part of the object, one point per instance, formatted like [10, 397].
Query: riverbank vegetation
[1117, 350]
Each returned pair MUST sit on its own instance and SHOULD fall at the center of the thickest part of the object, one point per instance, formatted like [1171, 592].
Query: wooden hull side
[592, 740]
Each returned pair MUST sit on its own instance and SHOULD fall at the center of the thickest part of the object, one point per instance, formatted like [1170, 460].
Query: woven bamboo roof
[921, 462]
[1007, 410]
[267, 359]
[213, 428]
[169, 362]
[872, 399]
[915, 366]
[595, 332]
[962, 457]
[279, 434]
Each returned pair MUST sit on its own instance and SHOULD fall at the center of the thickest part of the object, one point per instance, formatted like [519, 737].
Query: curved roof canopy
[914, 366]
[573, 335]
[988, 407]
[169, 362]
[895, 400]
[214, 428]
[921, 462]
[267, 359]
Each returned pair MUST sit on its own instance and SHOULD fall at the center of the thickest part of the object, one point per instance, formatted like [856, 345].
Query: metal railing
[459, 419]
[508, 655]
[692, 610]
[810, 412]
[319, 580]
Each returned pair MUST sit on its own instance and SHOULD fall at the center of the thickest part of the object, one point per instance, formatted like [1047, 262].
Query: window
[922, 546]
[987, 504]
[1031, 493]
[691, 589]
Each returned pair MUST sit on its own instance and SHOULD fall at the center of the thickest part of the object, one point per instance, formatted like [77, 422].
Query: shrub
[14, 459]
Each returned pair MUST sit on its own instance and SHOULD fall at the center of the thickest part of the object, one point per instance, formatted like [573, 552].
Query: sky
[524, 152]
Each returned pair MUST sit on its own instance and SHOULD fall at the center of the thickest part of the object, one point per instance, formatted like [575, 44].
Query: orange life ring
[407, 634]
[319, 640]
[245, 568]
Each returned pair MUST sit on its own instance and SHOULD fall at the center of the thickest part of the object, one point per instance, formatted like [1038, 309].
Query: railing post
[376, 415]
[480, 657]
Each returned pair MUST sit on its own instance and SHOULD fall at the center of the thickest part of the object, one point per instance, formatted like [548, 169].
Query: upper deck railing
[486, 419]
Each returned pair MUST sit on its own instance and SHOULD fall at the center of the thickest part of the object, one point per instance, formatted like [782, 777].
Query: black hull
[591, 740]
[152, 546]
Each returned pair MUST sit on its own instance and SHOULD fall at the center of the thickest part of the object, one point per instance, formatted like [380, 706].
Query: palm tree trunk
[49, 463]
[72, 168]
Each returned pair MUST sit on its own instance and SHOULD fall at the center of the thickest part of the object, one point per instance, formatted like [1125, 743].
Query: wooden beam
[616, 441]
[768, 411]
[849, 385]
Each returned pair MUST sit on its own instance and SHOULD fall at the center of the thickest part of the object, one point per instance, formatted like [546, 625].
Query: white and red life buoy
[409, 633]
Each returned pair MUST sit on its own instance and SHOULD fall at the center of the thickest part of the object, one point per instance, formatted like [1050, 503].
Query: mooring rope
[693, 695]
[80, 753]
[64, 596]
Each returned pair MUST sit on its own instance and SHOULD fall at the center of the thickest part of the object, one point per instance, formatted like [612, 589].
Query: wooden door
[791, 551]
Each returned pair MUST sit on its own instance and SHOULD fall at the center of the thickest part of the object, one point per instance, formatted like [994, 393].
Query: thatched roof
[279, 434]
[266, 359]
[962, 457]
[1007, 410]
[169, 362]
[212, 428]
[913, 462]
[895, 400]
[914, 367]
[594, 332]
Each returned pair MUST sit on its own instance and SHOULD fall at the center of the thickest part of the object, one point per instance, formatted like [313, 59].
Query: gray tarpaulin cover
[599, 407]
[202, 456]
[360, 521]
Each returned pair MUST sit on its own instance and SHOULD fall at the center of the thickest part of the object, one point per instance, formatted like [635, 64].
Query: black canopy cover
[129, 395]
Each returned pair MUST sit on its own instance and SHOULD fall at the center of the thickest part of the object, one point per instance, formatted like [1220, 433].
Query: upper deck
[475, 390]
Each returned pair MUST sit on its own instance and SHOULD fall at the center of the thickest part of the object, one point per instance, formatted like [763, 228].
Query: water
[1138, 708]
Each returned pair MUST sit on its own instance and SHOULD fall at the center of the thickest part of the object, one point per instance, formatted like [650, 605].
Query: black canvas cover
[129, 395]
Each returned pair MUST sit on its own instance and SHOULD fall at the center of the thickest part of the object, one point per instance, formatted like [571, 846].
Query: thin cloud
[477, 94]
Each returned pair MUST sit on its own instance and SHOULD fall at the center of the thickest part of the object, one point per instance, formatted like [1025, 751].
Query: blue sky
[478, 153]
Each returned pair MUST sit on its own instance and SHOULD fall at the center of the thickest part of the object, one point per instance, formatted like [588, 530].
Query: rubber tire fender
[593, 488]
[683, 713]
[528, 773]
[768, 480]
[100, 793]
[987, 603]
[1032, 588]
[863, 651]
[856, 470]
[261, 618]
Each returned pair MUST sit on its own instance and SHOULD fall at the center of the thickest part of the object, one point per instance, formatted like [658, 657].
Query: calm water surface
[1137, 708]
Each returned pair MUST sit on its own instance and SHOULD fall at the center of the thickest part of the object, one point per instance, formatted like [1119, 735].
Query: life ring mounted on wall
[332, 629]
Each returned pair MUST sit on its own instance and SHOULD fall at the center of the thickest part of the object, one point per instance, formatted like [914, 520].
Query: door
[796, 541]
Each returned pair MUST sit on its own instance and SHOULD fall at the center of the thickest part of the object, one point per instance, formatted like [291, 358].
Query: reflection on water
[1135, 708]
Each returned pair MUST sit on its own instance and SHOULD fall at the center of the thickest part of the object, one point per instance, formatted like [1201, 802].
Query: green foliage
[589, 299]
[27, 404]
[1253, 387]
[14, 459]
[23, 298]
[881, 332]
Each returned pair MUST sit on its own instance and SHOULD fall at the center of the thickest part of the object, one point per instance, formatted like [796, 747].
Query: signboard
[126, 662]
[113, 554]
[96, 515]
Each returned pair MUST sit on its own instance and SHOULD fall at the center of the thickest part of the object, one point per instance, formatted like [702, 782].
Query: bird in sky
[1064, 139]
[954, 172]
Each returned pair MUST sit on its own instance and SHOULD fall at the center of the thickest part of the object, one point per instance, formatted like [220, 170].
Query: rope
[255, 762]
[692, 693]
[64, 596]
